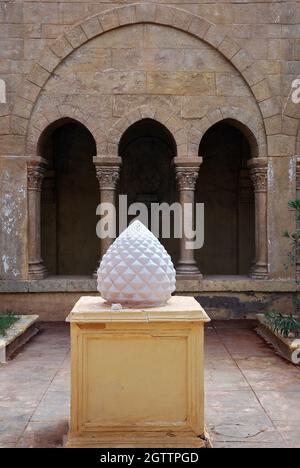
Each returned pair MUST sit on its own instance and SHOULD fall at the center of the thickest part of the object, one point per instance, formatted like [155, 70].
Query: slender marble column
[35, 175]
[259, 174]
[108, 174]
[186, 177]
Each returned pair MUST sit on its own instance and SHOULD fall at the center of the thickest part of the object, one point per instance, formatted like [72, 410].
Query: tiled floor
[252, 396]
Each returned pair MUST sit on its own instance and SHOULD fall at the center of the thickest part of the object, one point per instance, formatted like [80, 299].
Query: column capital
[258, 168]
[108, 177]
[35, 174]
[187, 177]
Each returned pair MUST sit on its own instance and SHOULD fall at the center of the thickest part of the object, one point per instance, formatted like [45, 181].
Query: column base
[188, 270]
[153, 439]
[37, 271]
[259, 272]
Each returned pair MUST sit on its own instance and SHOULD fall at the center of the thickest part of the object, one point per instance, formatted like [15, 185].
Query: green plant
[295, 236]
[5, 322]
[286, 325]
[283, 324]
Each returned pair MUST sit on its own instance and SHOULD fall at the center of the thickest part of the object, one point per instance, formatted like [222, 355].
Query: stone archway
[62, 200]
[147, 178]
[173, 124]
[254, 166]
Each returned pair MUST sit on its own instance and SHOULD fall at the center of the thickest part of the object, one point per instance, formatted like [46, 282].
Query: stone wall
[190, 63]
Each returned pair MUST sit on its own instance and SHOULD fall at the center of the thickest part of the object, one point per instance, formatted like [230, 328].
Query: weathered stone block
[61, 47]
[181, 83]
[290, 126]
[38, 75]
[71, 13]
[126, 15]
[128, 59]
[30, 91]
[281, 175]
[145, 13]
[281, 145]
[109, 20]
[22, 107]
[4, 125]
[252, 74]
[228, 47]
[40, 12]
[270, 107]
[18, 125]
[181, 19]
[242, 60]
[76, 37]
[49, 60]
[214, 36]
[92, 27]
[199, 27]
[273, 125]
[262, 91]
[164, 14]
[13, 219]
[12, 144]
[231, 84]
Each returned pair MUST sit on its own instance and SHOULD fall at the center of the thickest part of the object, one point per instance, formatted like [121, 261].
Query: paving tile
[291, 435]
[234, 324]
[270, 373]
[282, 407]
[12, 426]
[252, 396]
[44, 435]
[223, 374]
[248, 445]
[55, 406]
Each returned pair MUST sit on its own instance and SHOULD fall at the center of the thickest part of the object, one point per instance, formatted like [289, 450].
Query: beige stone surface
[201, 62]
[245, 406]
[13, 219]
[178, 308]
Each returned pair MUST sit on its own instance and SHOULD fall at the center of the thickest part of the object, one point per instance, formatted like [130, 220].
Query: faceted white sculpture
[136, 270]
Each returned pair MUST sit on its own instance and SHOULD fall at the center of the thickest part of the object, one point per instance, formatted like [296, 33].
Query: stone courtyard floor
[252, 396]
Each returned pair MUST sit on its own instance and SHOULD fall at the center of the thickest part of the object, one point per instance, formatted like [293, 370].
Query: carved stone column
[186, 176]
[35, 174]
[298, 223]
[108, 174]
[259, 174]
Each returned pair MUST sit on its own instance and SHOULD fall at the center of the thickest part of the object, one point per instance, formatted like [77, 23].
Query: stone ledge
[86, 284]
[17, 335]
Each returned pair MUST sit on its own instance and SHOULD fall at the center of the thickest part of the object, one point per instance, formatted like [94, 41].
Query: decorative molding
[259, 178]
[35, 177]
[186, 178]
[258, 168]
[108, 177]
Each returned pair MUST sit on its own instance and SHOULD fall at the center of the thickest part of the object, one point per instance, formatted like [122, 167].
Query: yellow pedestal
[137, 375]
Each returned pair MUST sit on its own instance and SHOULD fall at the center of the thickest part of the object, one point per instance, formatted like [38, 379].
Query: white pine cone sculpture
[136, 270]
